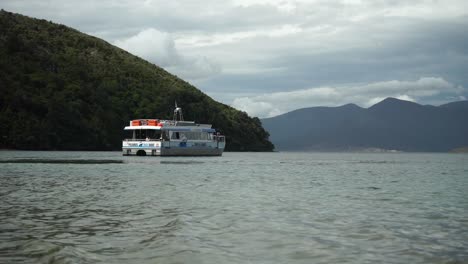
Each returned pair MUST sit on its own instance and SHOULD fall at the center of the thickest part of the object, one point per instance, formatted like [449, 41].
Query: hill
[65, 90]
[389, 125]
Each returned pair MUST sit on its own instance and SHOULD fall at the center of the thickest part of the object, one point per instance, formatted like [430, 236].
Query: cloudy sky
[267, 57]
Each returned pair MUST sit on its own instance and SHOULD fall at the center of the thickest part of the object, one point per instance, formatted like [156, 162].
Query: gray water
[100, 207]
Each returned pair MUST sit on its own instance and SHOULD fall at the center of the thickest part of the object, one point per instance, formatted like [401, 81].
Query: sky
[268, 57]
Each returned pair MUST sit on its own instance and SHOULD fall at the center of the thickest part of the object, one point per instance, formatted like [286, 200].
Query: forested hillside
[62, 89]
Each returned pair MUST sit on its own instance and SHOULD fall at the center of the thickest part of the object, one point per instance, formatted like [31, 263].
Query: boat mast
[178, 110]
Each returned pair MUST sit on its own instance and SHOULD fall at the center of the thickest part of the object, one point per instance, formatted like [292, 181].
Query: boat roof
[170, 125]
[173, 128]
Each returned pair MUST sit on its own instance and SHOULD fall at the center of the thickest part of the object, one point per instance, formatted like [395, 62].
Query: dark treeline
[62, 89]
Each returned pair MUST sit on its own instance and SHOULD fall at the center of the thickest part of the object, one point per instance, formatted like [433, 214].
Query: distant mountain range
[389, 125]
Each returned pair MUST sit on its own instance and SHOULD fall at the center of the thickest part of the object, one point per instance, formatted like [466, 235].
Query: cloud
[159, 48]
[233, 37]
[334, 55]
[248, 48]
[196, 68]
[256, 106]
[423, 87]
[268, 105]
[153, 45]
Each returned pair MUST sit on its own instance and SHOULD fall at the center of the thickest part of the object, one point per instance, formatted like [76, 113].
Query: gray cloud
[159, 48]
[153, 45]
[271, 104]
[239, 50]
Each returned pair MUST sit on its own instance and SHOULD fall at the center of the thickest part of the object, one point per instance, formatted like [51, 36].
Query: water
[100, 207]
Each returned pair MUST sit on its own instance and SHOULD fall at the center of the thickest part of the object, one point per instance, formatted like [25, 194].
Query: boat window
[128, 134]
[175, 135]
[139, 134]
[165, 135]
[192, 135]
[153, 134]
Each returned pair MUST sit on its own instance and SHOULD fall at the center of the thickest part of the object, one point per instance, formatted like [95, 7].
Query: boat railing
[142, 139]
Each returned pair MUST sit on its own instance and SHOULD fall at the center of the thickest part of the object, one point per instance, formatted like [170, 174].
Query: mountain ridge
[391, 124]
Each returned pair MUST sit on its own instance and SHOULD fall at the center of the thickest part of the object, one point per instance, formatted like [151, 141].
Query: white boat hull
[171, 148]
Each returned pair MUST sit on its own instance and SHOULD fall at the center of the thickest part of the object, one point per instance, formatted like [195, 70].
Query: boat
[176, 137]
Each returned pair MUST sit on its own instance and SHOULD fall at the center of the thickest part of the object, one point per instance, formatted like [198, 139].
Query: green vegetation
[62, 89]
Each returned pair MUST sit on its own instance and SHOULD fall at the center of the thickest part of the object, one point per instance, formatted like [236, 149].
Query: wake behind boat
[155, 137]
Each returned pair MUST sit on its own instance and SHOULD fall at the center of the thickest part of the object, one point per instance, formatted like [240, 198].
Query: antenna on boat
[179, 111]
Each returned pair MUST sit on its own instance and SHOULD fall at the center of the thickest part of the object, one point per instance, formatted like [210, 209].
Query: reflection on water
[181, 162]
[239, 208]
[62, 161]
[152, 160]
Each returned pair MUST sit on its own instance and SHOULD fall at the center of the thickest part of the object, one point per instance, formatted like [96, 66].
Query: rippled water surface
[100, 207]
